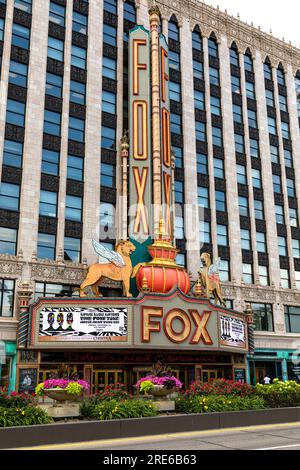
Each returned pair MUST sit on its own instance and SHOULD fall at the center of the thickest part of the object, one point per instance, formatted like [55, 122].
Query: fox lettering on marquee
[192, 329]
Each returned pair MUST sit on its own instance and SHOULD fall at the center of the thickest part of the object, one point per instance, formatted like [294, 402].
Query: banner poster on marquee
[232, 332]
[166, 164]
[140, 179]
[83, 324]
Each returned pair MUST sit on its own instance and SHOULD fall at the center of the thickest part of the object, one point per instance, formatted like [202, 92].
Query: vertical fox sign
[140, 179]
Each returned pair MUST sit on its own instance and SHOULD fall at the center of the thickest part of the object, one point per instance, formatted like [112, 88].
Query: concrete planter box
[83, 431]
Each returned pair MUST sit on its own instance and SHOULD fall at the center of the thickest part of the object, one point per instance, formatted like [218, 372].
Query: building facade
[235, 109]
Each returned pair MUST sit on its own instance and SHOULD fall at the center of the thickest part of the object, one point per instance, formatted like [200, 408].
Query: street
[268, 437]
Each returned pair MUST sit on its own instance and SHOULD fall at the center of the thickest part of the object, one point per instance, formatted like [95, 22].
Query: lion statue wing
[214, 270]
[108, 256]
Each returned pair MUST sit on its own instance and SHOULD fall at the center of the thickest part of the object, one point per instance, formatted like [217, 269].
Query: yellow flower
[23, 412]
[206, 407]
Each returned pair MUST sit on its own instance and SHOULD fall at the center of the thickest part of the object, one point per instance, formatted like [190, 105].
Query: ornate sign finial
[154, 10]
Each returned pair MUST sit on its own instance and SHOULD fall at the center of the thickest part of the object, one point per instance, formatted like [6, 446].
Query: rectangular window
[250, 90]
[179, 228]
[272, 126]
[297, 279]
[296, 248]
[263, 273]
[214, 76]
[129, 12]
[283, 103]
[52, 122]
[108, 138]
[75, 168]
[256, 178]
[57, 14]
[261, 243]
[205, 236]
[109, 102]
[15, 113]
[267, 72]
[220, 201]
[292, 319]
[76, 129]
[9, 196]
[288, 159]
[219, 168]
[199, 100]
[198, 70]
[277, 184]
[111, 6]
[1, 29]
[46, 246]
[20, 36]
[239, 143]
[54, 85]
[176, 123]
[174, 60]
[241, 174]
[8, 241]
[217, 136]
[179, 196]
[24, 5]
[247, 273]
[175, 91]
[77, 92]
[53, 290]
[50, 162]
[224, 271]
[222, 235]
[252, 119]
[279, 215]
[248, 63]
[48, 203]
[245, 239]
[234, 57]
[109, 35]
[72, 249]
[196, 41]
[173, 31]
[203, 197]
[107, 217]
[181, 259]
[12, 153]
[7, 294]
[237, 114]
[274, 152]
[178, 153]
[79, 23]
[107, 175]
[270, 98]
[259, 209]
[200, 131]
[263, 317]
[18, 73]
[293, 213]
[282, 247]
[55, 49]
[235, 84]
[109, 68]
[212, 48]
[202, 165]
[243, 206]
[285, 130]
[290, 184]
[254, 148]
[280, 77]
[215, 105]
[285, 279]
[78, 57]
[73, 208]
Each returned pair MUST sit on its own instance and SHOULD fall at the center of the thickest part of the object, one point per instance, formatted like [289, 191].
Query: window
[175, 91]
[52, 122]
[77, 92]
[109, 68]
[285, 278]
[205, 237]
[274, 152]
[222, 235]
[174, 60]
[263, 273]
[24, 5]
[107, 219]
[176, 125]
[178, 156]
[200, 131]
[272, 125]
[250, 91]
[78, 57]
[297, 279]
[79, 23]
[280, 77]
[267, 72]
[202, 166]
[54, 85]
[46, 246]
[239, 143]
[215, 105]
[9, 196]
[72, 249]
[76, 129]
[173, 31]
[252, 119]
[129, 12]
[288, 159]
[109, 102]
[179, 228]
[296, 248]
[12, 153]
[111, 6]
[292, 319]
[282, 248]
[290, 184]
[55, 49]
[234, 57]
[199, 99]
[243, 206]
[214, 76]
[261, 243]
[1, 29]
[254, 148]
[50, 162]
[263, 317]
[48, 203]
[224, 271]
[245, 239]
[75, 168]
[235, 84]
[237, 114]
[198, 70]
[279, 215]
[283, 103]
[203, 197]
[270, 98]
[197, 40]
[259, 209]
[109, 35]
[212, 48]
[108, 138]
[73, 208]
[293, 217]
[217, 136]
[179, 197]
[8, 241]
[248, 62]
[18, 73]
[107, 175]
[219, 168]
[247, 273]
[57, 14]
[7, 292]
[285, 130]
[54, 290]
[241, 174]
[15, 113]
[256, 178]
[180, 259]
[220, 201]
[277, 184]
[20, 36]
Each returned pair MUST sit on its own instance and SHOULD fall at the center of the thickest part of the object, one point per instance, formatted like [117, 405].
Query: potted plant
[63, 385]
[160, 383]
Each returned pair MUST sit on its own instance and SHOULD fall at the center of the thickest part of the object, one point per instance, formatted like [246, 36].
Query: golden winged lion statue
[115, 265]
[210, 279]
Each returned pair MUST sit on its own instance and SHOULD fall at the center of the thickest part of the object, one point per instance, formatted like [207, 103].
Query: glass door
[209, 375]
[103, 378]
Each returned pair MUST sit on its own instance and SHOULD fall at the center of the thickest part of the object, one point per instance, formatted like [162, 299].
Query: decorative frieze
[10, 266]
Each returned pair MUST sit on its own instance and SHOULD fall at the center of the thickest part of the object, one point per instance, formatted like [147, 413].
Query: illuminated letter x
[140, 183]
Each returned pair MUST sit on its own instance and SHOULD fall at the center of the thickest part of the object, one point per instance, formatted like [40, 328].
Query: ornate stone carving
[10, 266]
[51, 271]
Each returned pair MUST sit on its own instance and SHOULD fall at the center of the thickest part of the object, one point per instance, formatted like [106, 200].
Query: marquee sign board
[171, 322]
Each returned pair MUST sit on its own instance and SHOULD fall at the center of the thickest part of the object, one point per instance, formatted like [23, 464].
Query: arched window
[197, 39]
[280, 75]
[267, 69]
[130, 11]
[248, 61]
[213, 46]
[234, 55]
[173, 29]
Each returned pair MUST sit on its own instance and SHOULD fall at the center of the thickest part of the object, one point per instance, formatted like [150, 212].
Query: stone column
[124, 212]
[264, 144]
[191, 217]
[91, 212]
[142, 13]
[230, 165]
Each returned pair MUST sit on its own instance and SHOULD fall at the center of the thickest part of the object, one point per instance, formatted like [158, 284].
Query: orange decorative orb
[162, 279]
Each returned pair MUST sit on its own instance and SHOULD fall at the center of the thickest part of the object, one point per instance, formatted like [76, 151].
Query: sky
[281, 16]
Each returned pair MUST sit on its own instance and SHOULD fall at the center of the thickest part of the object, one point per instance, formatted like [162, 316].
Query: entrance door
[260, 373]
[103, 378]
[209, 375]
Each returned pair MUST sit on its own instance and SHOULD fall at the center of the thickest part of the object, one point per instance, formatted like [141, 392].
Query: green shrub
[114, 409]
[16, 400]
[214, 403]
[24, 416]
[279, 394]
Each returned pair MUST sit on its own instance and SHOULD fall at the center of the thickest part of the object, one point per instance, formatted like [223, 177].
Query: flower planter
[160, 391]
[61, 395]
